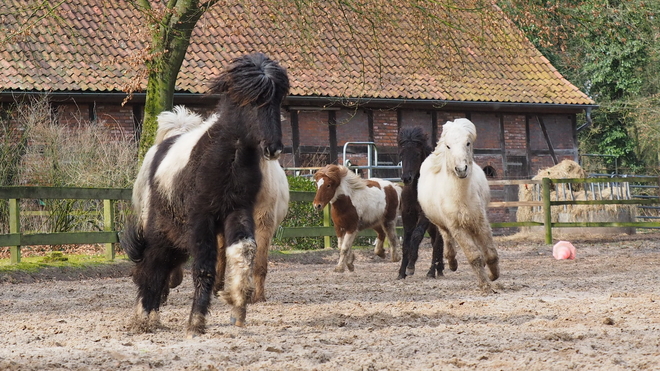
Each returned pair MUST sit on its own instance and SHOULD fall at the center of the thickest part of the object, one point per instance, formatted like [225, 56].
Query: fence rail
[109, 235]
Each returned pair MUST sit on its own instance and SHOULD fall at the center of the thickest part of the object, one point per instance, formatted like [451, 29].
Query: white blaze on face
[319, 183]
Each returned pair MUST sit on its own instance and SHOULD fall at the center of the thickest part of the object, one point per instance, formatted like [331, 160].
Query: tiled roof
[88, 45]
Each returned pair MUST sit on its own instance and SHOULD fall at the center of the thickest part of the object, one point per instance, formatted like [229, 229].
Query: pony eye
[448, 147]
[328, 185]
[468, 144]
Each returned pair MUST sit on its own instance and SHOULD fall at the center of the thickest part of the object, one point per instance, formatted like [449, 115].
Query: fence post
[15, 227]
[109, 226]
[547, 222]
[326, 223]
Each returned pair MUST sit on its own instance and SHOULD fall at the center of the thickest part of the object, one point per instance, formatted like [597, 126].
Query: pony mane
[461, 124]
[339, 174]
[353, 180]
[252, 79]
[415, 135]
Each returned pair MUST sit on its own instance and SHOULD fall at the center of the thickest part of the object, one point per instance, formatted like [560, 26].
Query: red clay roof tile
[477, 64]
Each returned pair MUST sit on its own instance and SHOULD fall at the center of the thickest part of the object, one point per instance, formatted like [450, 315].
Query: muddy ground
[600, 311]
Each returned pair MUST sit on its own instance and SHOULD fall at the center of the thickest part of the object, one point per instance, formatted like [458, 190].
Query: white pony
[453, 193]
[269, 210]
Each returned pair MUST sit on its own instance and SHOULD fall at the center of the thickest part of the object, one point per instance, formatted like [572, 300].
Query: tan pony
[358, 204]
[453, 193]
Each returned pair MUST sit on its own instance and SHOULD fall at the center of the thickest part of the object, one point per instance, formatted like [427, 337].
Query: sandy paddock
[600, 311]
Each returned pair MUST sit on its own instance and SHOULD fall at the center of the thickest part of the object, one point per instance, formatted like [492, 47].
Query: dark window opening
[490, 172]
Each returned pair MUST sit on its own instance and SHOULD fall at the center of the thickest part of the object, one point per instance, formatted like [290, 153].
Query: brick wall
[118, 121]
[386, 128]
[313, 126]
[352, 126]
[515, 132]
[71, 114]
[287, 135]
[494, 161]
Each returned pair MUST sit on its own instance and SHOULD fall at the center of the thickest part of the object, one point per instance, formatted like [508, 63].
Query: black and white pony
[204, 183]
[269, 210]
[413, 150]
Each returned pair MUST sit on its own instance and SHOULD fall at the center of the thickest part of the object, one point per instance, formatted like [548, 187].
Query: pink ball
[563, 250]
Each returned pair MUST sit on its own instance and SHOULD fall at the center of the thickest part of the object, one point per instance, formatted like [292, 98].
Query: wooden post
[547, 222]
[15, 227]
[109, 226]
[327, 243]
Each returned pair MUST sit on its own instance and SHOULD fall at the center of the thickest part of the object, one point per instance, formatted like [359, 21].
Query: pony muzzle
[318, 206]
[273, 151]
[462, 172]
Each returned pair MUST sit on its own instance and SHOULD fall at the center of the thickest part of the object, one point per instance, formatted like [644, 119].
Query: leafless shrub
[49, 154]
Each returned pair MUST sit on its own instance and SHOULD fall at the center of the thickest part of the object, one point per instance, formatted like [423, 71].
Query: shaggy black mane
[416, 136]
[252, 79]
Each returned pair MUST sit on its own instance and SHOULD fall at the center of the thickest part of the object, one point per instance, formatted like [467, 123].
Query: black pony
[413, 149]
[203, 183]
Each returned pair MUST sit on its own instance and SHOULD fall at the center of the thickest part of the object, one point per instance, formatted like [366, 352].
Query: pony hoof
[237, 317]
[401, 277]
[494, 271]
[235, 322]
[430, 275]
[351, 267]
[395, 259]
[410, 271]
[380, 253]
[195, 331]
[487, 289]
[196, 324]
[453, 265]
[339, 269]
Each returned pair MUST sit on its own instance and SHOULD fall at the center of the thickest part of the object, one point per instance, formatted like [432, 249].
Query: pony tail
[178, 121]
[133, 242]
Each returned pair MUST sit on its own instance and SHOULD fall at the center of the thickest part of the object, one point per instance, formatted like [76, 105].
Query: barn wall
[508, 146]
[502, 140]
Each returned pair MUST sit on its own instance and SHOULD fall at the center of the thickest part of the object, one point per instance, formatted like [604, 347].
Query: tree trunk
[159, 98]
[169, 45]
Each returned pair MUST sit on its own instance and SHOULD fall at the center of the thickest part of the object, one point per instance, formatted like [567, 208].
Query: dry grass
[42, 152]
[575, 191]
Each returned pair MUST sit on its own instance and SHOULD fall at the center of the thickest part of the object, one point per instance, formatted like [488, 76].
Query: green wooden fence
[15, 238]
[109, 235]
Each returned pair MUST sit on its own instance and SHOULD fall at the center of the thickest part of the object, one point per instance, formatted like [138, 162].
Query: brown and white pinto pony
[454, 195]
[358, 204]
[203, 183]
[270, 208]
